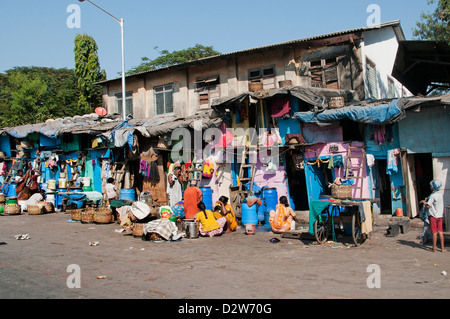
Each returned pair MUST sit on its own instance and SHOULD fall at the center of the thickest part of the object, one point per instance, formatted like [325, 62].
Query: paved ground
[234, 266]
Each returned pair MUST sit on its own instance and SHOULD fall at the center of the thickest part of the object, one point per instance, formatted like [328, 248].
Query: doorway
[423, 167]
[382, 186]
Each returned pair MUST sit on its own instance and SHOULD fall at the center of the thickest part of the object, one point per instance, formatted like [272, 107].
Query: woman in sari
[282, 217]
[226, 211]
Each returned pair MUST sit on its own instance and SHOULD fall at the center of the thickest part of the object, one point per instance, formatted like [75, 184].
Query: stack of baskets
[103, 215]
[35, 209]
[10, 206]
[75, 214]
[87, 215]
[138, 229]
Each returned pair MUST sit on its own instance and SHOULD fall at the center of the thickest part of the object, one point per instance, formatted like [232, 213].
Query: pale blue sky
[35, 33]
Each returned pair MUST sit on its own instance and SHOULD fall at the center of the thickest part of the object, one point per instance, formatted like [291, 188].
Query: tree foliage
[434, 26]
[34, 94]
[167, 58]
[87, 72]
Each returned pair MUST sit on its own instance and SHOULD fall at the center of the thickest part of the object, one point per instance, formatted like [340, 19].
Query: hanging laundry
[392, 162]
[370, 160]
[338, 162]
[280, 107]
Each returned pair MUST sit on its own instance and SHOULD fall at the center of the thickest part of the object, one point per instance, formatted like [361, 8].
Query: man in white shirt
[435, 206]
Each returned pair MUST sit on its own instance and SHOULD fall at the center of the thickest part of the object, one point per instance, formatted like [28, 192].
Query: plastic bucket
[249, 214]
[399, 212]
[59, 197]
[52, 184]
[128, 194]
[11, 190]
[76, 198]
[62, 183]
[207, 197]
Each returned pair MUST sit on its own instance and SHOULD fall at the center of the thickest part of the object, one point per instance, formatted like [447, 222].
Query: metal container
[184, 222]
[191, 230]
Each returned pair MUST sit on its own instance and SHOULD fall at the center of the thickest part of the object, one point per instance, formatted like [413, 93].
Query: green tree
[87, 71]
[167, 58]
[35, 94]
[434, 26]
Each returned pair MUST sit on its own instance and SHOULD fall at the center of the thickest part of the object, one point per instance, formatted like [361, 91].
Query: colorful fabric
[192, 196]
[315, 208]
[178, 210]
[229, 216]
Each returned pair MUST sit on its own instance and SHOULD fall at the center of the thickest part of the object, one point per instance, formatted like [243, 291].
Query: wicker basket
[12, 210]
[35, 209]
[87, 216]
[49, 207]
[75, 214]
[341, 191]
[138, 229]
[103, 216]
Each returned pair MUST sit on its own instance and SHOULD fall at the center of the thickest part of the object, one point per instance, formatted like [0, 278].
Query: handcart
[344, 216]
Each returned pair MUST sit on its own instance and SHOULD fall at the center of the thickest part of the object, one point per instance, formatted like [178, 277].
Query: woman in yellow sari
[225, 210]
[282, 217]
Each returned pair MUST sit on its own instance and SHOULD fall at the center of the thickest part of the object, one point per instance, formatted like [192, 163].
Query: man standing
[192, 196]
[174, 185]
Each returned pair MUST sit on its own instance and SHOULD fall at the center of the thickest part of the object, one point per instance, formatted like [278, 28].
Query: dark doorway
[424, 174]
[297, 180]
[384, 187]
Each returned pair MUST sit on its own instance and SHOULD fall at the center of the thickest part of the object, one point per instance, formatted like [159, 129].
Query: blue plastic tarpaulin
[370, 114]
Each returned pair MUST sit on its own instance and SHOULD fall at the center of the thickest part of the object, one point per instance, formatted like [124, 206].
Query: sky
[37, 33]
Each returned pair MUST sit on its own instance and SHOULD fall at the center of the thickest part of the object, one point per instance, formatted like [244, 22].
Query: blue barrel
[249, 215]
[207, 197]
[271, 197]
[261, 210]
[128, 194]
[59, 198]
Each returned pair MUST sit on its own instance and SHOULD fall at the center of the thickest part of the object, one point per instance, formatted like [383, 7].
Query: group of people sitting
[222, 219]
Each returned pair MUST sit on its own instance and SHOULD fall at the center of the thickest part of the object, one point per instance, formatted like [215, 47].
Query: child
[435, 206]
[110, 191]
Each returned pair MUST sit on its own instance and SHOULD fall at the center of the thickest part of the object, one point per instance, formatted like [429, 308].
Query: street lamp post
[123, 56]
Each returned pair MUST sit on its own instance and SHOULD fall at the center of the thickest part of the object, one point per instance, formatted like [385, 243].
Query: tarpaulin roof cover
[374, 114]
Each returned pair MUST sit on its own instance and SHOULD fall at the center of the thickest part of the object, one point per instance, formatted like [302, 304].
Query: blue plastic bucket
[207, 197]
[271, 197]
[128, 194]
[249, 215]
[76, 198]
[11, 191]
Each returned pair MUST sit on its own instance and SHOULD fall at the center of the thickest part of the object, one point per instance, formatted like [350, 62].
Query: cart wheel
[358, 237]
[321, 231]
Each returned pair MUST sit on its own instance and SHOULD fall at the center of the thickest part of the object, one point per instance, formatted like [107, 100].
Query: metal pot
[191, 230]
[184, 222]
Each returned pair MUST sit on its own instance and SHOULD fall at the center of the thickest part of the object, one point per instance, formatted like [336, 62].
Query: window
[371, 78]
[324, 73]
[265, 72]
[266, 75]
[128, 103]
[208, 88]
[163, 99]
[391, 88]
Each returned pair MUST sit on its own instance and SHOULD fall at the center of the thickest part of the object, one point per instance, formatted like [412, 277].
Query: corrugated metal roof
[394, 24]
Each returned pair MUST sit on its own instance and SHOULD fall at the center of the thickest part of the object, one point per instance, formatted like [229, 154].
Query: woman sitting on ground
[208, 225]
[226, 211]
[281, 218]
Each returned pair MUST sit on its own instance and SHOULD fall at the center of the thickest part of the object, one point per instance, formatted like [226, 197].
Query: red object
[100, 111]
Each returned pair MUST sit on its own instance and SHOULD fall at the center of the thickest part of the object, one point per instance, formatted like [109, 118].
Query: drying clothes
[280, 107]
[370, 160]
[365, 209]
[392, 162]
[315, 208]
[338, 161]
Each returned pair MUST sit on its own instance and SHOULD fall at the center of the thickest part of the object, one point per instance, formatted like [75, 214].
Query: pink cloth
[280, 107]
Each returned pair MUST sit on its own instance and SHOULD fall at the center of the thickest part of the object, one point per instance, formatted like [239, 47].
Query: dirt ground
[233, 266]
